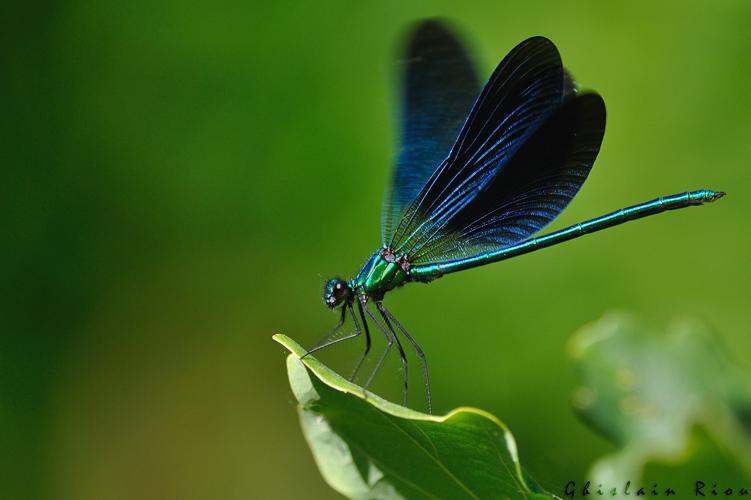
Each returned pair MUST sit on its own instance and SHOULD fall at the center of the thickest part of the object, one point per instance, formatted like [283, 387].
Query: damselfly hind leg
[402, 354]
[418, 350]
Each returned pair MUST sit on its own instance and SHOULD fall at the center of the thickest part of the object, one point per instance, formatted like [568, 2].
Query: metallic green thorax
[379, 275]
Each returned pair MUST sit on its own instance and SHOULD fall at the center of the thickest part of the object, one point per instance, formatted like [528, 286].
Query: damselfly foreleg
[322, 344]
[389, 344]
[367, 340]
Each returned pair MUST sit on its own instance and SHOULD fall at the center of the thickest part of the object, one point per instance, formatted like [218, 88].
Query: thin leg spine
[402, 354]
[342, 339]
[382, 358]
[420, 353]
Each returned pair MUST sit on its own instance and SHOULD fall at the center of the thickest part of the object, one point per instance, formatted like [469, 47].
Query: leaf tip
[289, 344]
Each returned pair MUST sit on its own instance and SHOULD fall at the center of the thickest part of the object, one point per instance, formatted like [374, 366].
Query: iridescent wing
[530, 191]
[439, 88]
[524, 92]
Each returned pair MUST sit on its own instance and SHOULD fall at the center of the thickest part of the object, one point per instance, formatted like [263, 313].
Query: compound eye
[335, 291]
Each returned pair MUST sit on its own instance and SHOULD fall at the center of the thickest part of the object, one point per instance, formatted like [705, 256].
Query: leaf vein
[440, 464]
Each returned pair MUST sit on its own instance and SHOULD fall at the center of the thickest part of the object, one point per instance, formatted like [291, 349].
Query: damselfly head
[336, 291]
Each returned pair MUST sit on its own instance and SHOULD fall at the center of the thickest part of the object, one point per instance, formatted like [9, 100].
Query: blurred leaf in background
[178, 180]
[649, 393]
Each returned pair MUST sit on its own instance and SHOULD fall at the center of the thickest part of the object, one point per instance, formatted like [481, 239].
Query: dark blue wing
[439, 88]
[526, 88]
[531, 190]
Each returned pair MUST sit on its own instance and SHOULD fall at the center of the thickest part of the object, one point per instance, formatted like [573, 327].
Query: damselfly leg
[389, 328]
[367, 340]
[331, 332]
[389, 344]
[402, 354]
[327, 341]
[418, 350]
[324, 343]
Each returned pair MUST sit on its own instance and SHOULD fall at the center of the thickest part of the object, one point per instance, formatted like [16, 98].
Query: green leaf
[648, 393]
[367, 447]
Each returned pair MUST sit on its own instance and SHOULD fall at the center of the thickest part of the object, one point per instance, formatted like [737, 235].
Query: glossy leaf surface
[366, 447]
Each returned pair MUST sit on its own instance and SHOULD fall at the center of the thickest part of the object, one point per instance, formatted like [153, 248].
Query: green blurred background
[179, 178]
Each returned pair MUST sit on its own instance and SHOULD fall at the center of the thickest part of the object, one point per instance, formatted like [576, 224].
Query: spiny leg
[331, 332]
[399, 345]
[347, 307]
[420, 353]
[389, 344]
[367, 340]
